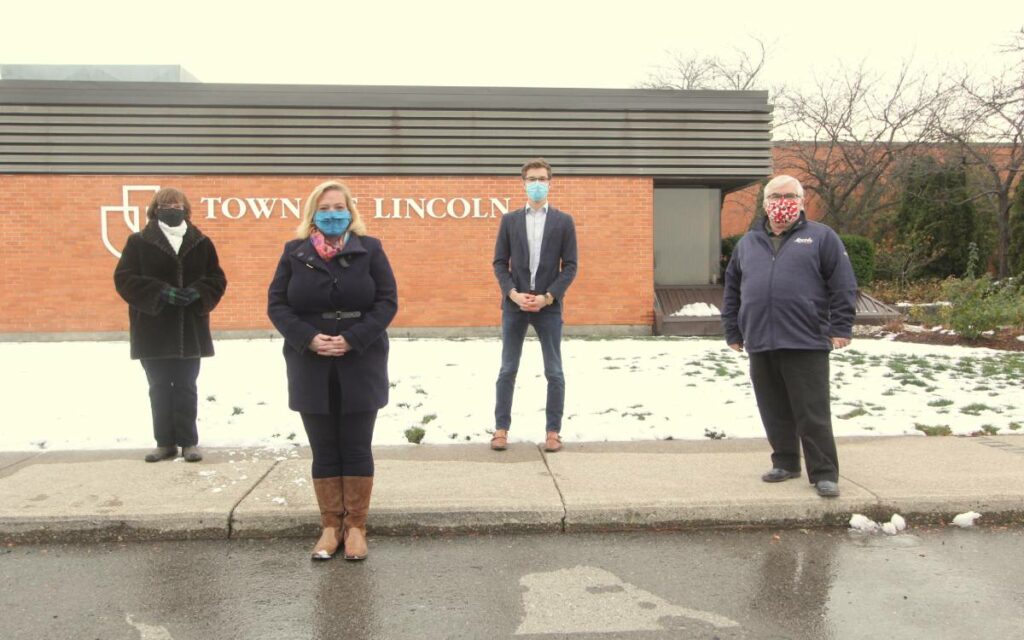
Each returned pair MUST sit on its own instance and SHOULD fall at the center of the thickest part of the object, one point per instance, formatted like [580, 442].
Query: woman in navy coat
[332, 298]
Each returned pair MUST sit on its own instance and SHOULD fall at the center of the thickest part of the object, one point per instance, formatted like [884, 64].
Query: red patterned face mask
[783, 211]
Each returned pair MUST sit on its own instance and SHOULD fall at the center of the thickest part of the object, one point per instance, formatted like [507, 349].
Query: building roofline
[41, 92]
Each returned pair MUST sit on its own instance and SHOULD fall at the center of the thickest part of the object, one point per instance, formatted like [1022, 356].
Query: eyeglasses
[783, 196]
[332, 207]
[536, 179]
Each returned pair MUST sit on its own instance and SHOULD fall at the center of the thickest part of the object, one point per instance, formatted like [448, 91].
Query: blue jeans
[548, 324]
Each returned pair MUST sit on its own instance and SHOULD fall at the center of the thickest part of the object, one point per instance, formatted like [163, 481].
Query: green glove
[179, 297]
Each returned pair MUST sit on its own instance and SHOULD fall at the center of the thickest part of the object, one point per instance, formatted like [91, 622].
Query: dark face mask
[170, 217]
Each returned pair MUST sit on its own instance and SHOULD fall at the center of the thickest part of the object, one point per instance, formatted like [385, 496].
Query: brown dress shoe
[553, 442]
[499, 442]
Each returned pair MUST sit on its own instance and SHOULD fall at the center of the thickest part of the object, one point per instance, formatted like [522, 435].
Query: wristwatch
[550, 299]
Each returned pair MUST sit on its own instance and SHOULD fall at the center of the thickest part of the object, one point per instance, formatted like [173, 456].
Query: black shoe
[162, 453]
[827, 488]
[778, 475]
[191, 454]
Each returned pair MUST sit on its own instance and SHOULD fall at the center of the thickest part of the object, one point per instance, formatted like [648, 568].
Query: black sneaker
[162, 453]
[778, 475]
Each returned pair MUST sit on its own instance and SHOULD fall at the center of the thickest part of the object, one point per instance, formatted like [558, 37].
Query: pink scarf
[325, 247]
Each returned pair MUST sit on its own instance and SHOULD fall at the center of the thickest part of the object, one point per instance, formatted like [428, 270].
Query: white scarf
[174, 235]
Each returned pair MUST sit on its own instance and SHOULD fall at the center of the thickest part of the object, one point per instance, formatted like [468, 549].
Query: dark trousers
[341, 442]
[792, 391]
[174, 400]
[548, 325]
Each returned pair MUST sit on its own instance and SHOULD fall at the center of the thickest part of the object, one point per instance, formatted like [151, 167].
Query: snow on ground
[90, 395]
[698, 309]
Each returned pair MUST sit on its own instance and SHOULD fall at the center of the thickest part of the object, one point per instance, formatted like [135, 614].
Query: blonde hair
[309, 209]
[780, 180]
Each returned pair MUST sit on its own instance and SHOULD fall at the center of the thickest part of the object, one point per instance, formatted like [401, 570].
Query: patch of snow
[965, 520]
[898, 521]
[863, 523]
[1021, 337]
[279, 500]
[616, 389]
[697, 310]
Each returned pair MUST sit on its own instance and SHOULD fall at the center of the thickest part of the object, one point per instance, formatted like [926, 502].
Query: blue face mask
[332, 223]
[537, 191]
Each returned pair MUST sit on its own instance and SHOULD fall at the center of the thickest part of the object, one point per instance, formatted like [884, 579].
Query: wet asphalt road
[932, 584]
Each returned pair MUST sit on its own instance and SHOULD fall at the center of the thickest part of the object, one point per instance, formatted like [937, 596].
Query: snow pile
[697, 310]
[865, 524]
[965, 520]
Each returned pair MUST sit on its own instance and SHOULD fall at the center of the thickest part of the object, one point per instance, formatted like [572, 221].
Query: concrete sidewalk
[104, 495]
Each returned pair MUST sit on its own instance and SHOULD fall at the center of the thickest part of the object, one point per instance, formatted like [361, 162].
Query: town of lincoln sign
[233, 208]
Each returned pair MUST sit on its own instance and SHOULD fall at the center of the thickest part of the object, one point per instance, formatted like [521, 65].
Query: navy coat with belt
[148, 265]
[304, 289]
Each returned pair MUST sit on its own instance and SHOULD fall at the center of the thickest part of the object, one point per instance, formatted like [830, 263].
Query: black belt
[340, 315]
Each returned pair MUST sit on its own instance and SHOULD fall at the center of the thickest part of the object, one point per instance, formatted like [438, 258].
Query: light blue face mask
[332, 223]
[537, 191]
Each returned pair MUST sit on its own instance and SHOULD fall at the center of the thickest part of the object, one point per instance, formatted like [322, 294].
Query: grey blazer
[557, 254]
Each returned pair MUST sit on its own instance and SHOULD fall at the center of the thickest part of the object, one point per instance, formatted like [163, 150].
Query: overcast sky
[614, 44]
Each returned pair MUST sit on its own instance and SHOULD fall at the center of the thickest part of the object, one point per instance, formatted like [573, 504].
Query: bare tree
[846, 132]
[1016, 44]
[985, 121]
[691, 70]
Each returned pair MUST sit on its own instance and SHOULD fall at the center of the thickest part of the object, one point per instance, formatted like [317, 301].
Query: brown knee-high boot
[331, 499]
[357, 491]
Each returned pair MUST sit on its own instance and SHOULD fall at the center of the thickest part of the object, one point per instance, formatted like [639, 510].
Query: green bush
[1017, 232]
[728, 244]
[414, 435]
[981, 304]
[862, 255]
[937, 217]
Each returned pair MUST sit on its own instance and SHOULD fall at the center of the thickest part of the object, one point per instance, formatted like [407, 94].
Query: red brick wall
[56, 274]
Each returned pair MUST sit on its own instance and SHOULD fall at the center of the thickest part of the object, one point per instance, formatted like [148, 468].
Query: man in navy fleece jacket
[790, 298]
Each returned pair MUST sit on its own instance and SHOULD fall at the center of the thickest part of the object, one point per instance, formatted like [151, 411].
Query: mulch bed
[1003, 340]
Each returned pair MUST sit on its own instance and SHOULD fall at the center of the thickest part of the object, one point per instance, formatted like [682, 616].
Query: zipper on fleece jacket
[771, 275]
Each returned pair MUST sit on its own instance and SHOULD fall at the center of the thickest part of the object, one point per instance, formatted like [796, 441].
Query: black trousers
[174, 400]
[792, 391]
[341, 442]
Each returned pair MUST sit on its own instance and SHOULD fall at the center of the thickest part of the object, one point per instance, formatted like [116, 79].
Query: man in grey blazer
[535, 262]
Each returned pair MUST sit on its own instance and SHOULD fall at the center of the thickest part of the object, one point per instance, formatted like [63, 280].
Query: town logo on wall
[134, 199]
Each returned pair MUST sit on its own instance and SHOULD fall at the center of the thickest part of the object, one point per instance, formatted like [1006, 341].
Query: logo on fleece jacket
[804, 241]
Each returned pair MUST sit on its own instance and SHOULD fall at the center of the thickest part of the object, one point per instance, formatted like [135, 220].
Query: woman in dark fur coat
[332, 298]
[171, 279]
